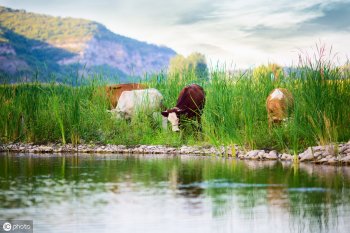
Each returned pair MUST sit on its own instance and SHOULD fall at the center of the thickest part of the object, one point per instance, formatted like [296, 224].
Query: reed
[234, 112]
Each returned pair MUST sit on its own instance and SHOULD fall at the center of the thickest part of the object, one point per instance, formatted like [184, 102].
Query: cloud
[211, 47]
[336, 17]
[328, 17]
[195, 17]
[198, 12]
[246, 32]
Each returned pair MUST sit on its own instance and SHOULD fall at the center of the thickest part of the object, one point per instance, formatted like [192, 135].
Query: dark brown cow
[114, 91]
[189, 105]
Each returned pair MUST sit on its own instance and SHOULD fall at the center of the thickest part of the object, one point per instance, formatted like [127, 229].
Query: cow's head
[173, 116]
[118, 114]
[277, 120]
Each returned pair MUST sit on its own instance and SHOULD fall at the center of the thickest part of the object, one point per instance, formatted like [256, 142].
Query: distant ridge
[36, 45]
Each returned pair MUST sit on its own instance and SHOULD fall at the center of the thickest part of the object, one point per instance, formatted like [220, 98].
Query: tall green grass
[234, 113]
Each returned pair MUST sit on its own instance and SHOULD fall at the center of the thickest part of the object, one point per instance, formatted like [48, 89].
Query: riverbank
[234, 112]
[334, 154]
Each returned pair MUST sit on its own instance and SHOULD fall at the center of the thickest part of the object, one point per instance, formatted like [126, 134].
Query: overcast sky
[239, 32]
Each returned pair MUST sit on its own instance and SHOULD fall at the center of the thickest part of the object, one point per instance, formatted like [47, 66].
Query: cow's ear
[165, 113]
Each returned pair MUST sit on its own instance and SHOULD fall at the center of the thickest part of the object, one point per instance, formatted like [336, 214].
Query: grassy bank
[234, 113]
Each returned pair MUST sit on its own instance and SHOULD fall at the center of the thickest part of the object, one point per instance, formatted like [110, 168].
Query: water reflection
[179, 194]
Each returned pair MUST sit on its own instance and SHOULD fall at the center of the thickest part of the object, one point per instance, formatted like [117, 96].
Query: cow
[131, 102]
[114, 91]
[279, 104]
[190, 104]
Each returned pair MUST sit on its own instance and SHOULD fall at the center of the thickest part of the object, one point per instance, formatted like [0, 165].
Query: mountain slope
[28, 40]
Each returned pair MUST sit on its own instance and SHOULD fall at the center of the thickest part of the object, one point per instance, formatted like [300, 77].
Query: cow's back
[139, 100]
[114, 91]
[191, 98]
[281, 95]
[278, 104]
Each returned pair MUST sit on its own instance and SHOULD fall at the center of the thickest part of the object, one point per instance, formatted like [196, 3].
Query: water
[115, 193]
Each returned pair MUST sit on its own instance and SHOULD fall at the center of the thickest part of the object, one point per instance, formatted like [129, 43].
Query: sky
[238, 33]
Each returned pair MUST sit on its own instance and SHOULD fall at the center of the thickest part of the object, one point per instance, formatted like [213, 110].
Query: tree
[272, 71]
[177, 64]
[195, 63]
[344, 70]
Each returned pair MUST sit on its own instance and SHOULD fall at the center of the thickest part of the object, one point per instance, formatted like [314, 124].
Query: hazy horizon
[241, 34]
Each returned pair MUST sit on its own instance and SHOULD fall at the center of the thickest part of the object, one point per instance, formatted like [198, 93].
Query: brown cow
[190, 104]
[279, 103]
[114, 91]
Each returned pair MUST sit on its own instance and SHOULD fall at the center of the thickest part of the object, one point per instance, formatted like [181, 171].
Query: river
[143, 193]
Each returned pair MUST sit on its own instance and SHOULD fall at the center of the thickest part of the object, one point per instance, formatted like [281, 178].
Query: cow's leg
[164, 123]
[270, 122]
[156, 118]
[200, 129]
[269, 117]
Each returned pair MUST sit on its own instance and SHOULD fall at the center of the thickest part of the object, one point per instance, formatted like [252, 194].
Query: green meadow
[234, 113]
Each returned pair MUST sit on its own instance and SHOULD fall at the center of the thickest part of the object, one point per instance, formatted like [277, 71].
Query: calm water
[114, 193]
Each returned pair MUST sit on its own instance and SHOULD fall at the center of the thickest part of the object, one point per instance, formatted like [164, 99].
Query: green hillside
[44, 46]
[45, 28]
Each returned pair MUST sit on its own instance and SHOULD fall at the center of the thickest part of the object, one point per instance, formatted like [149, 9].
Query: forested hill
[41, 45]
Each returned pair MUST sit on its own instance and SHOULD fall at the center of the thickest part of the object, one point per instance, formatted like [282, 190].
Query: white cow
[131, 102]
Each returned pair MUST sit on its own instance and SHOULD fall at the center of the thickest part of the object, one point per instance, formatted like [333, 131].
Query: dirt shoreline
[334, 154]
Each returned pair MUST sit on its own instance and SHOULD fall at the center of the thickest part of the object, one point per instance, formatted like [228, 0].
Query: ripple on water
[218, 184]
[306, 189]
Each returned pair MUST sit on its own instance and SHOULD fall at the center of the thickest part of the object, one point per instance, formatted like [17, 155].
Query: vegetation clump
[182, 66]
[234, 113]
